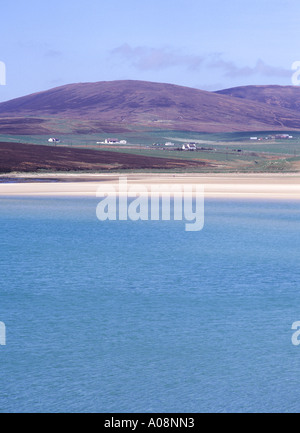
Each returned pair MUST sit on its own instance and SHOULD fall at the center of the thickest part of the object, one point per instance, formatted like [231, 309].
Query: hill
[279, 96]
[115, 106]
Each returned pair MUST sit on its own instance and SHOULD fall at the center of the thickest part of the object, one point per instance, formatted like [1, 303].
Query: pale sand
[264, 186]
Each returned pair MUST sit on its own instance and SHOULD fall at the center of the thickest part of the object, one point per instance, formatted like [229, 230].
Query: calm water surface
[146, 317]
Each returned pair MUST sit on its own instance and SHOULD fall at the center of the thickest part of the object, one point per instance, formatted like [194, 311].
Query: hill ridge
[133, 104]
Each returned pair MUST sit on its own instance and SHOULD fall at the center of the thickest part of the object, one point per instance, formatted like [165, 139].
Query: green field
[227, 151]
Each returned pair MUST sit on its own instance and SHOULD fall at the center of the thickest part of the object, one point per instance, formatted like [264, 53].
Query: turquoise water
[146, 317]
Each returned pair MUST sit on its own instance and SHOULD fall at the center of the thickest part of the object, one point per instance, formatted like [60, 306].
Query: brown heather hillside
[32, 158]
[121, 105]
[280, 96]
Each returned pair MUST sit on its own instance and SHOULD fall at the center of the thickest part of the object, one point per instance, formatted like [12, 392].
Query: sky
[205, 44]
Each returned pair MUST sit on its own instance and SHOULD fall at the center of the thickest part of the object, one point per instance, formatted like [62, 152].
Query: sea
[144, 316]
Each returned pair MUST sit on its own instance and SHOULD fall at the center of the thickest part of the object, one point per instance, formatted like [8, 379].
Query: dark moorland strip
[18, 157]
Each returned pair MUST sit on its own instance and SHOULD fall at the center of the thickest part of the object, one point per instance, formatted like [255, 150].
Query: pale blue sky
[210, 44]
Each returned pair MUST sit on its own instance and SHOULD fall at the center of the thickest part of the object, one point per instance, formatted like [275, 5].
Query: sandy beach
[258, 186]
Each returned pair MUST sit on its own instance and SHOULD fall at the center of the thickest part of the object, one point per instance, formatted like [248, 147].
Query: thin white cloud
[148, 58]
[231, 70]
[53, 53]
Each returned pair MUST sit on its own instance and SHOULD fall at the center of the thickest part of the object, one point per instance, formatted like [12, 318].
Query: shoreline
[227, 185]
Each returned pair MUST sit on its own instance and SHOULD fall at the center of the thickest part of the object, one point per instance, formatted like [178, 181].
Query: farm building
[189, 146]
